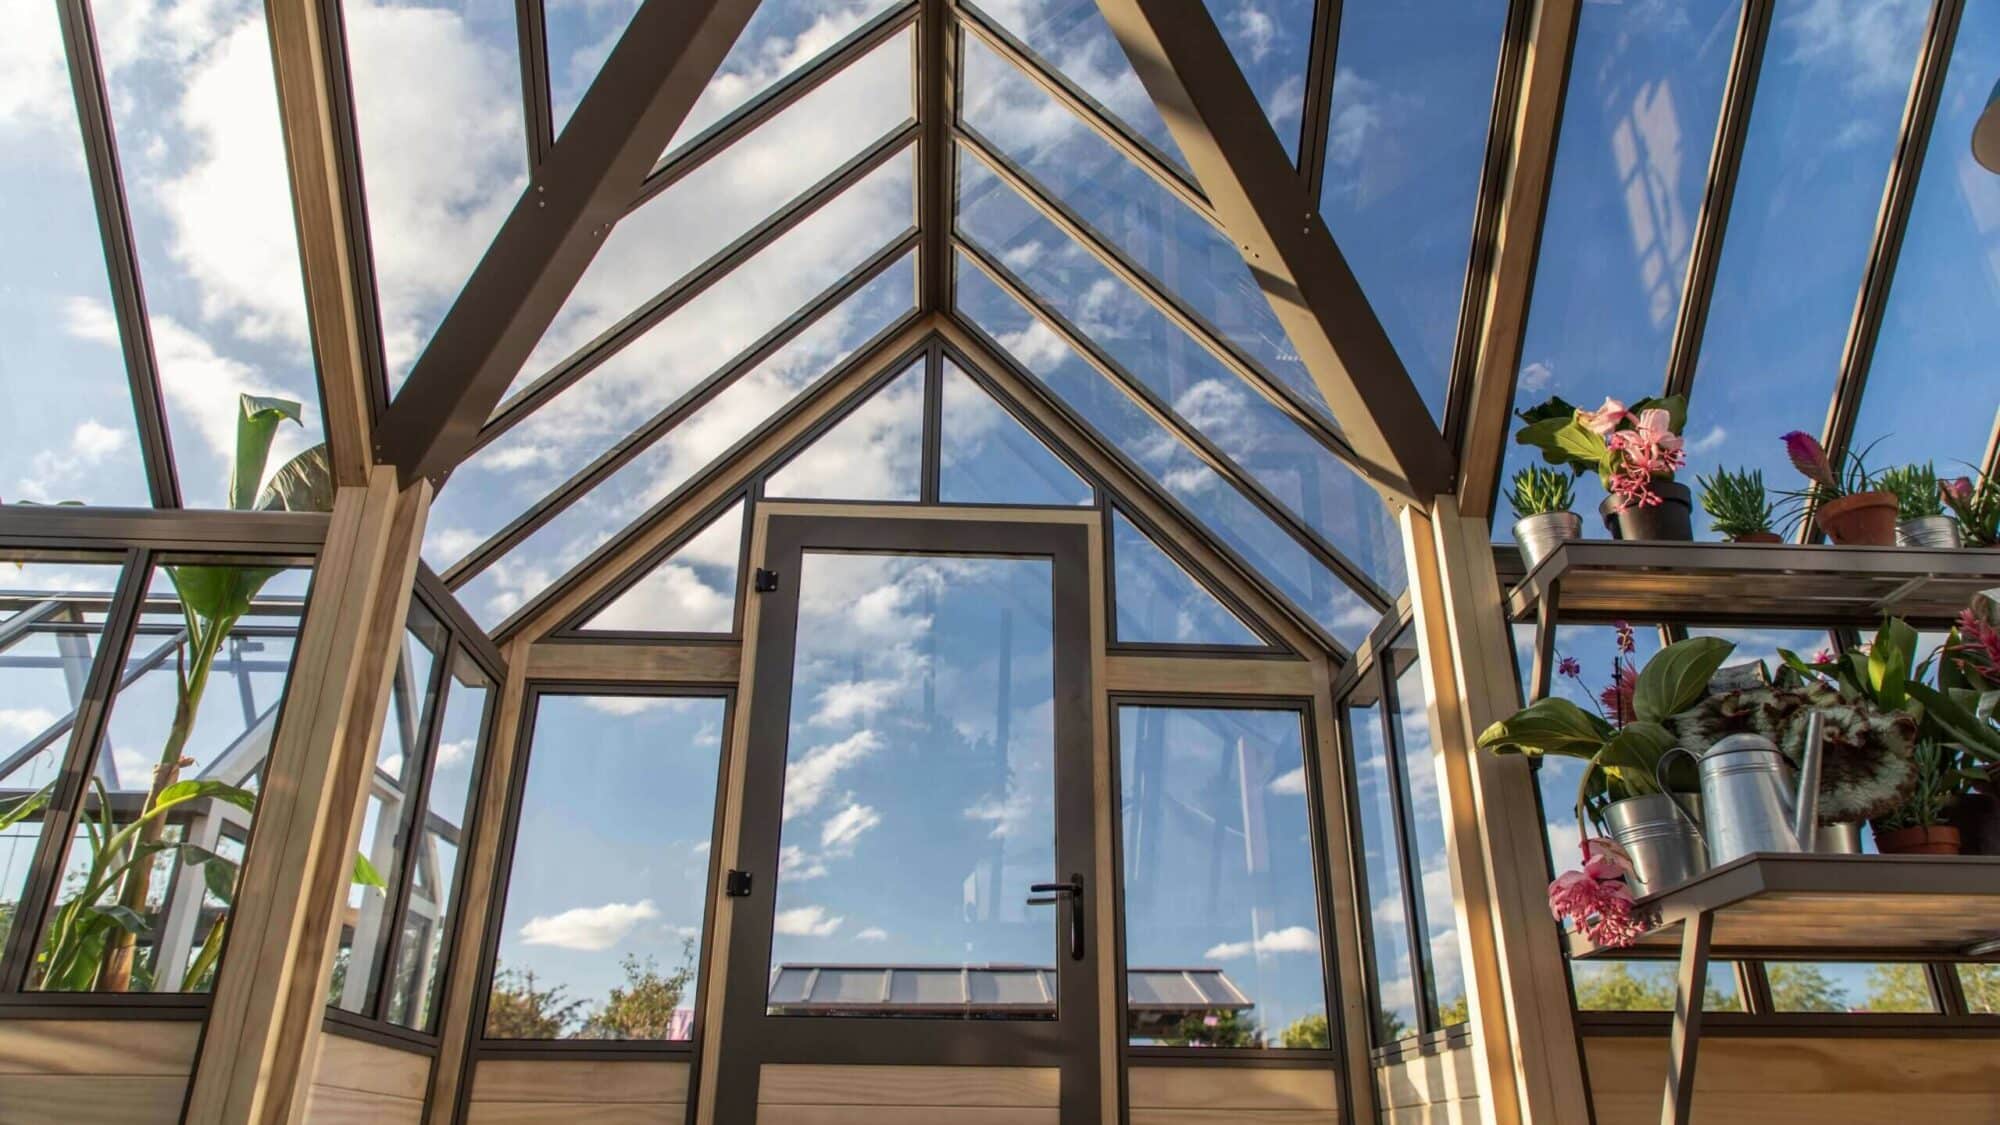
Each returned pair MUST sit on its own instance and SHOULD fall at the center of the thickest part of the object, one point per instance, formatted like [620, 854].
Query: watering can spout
[1805, 806]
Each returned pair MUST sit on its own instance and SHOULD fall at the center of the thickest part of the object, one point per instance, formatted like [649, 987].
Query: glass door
[917, 859]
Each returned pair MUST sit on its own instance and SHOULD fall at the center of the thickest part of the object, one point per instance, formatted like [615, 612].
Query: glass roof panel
[673, 232]
[1822, 134]
[1073, 39]
[1308, 479]
[68, 438]
[1177, 247]
[874, 452]
[1159, 602]
[710, 432]
[692, 590]
[195, 105]
[441, 171]
[1271, 40]
[986, 456]
[1931, 389]
[647, 375]
[1405, 146]
[1631, 167]
[1315, 590]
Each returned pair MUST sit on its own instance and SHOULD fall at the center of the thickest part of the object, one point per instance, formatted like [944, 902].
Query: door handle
[1073, 891]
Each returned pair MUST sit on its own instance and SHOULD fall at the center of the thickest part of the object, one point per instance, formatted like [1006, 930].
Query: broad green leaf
[1557, 407]
[1542, 435]
[365, 874]
[1889, 659]
[218, 595]
[1549, 726]
[256, 425]
[1582, 444]
[124, 917]
[1632, 756]
[1948, 712]
[1677, 676]
[302, 484]
[24, 807]
[204, 961]
[191, 790]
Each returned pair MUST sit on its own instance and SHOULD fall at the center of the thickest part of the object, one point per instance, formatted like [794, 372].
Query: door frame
[1079, 1043]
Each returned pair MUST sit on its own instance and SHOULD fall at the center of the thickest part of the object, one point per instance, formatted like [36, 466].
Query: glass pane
[1822, 134]
[670, 234]
[1225, 512]
[1647, 986]
[1382, 871]
[426, 922]
[988, 457]
[158, 926]
[1160, 603]
[364, 926]
[1981, 984]
[692, 590]
[1423, 805]
[53, 617]
[1939, 325]
[1073, 39]
[68, 438]
[1218, 867]
[876, 452]
[1630, 171]
[668, 463]
[1270, 40]
[195, 103]
[1405, 146]
[441, 171]
[1800, 986]
[919, 782]
[606, 892]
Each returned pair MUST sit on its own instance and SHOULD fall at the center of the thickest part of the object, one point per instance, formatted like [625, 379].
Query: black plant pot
[1671, 518]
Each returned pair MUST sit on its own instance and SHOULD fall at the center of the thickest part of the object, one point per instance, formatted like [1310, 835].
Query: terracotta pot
[1938, 839]
[1758, 537]
[1864, 519]
[1672, 518]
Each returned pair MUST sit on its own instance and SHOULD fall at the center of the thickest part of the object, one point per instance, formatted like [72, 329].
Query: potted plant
[1541, 498]
[1975, 501]
[1961, 710]
[1845, 499]
[1737, 507]
[1634, 451]
[1622, 743]
[1921, 825]
[1920, 518]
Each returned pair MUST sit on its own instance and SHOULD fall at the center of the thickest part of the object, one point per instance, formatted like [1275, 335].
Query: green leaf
[302, 484]
[1677, 676]
[1542, 435]
[1632, 756]
[365, 874]
[1548, 726]
[124, 917]
[204, 961]
[1676, 407]
[218, 595]
[256, 425]
[1557, 407]
[1889, 659]
[1948, 712]
[1583, 445]
[191, 790]
[24, 807]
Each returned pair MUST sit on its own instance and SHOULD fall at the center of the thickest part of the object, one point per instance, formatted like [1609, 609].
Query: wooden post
[1528, 1064]
[262, 1040]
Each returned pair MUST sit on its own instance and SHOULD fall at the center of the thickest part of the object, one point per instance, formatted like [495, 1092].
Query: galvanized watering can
[1748, 799]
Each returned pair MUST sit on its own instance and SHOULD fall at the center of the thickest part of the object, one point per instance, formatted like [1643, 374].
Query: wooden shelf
[1891, 908]
[1764, 583]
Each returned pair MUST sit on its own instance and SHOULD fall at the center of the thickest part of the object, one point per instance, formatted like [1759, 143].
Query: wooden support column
[1528, 1064]
[261, 1044]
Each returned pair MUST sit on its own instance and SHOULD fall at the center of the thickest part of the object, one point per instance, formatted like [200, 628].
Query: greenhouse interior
[1155, 562]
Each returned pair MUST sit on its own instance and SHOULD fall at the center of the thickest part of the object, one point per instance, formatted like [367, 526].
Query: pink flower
[1957, 490]
[1617, 699]
[1569, 666]
[1605, 859]
[1809, 458]
[1627, 643]
[1598, 899]
[1604, 419]
[1823, 656]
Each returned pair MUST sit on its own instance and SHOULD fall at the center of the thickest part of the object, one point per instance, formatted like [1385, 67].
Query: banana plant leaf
[257, 422]
[302, 484]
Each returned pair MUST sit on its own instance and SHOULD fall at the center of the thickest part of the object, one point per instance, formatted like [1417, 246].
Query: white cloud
[1291, 939]
[806, 921]
[670, 597]
[625, 704]
[25, 722]
[454, 751]
[1291, 784]
[589, 929]
[1710, 441]
[1008, 815]
[872, 933]
[843, 828]
[808, 780]
[1535, 378]
[796, 863]
[57, 474]
[846, 702]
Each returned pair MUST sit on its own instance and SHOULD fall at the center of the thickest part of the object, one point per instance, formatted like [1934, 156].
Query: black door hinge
[736, 884]
[765, 582]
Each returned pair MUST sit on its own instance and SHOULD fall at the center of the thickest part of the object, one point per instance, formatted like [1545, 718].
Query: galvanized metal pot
[1664, 847]
[1929, 531]
[1539, 536]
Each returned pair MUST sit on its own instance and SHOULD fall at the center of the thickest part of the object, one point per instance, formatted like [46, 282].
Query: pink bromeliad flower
[1597, 899]
[1809, 458]
[1604, 419]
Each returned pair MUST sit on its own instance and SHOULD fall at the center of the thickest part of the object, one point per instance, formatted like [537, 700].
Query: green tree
[1215, 1029]
[1804, 987]
[1899, 988]
[644, 1008]
[1307, 1032]
[518, 1009]
[1613, 986]
[1982, 988]
[1389, 1026]
[1455, 1011]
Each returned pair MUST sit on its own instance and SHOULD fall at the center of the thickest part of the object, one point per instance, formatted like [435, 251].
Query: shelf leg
[1545, 645]
[1678, 1105]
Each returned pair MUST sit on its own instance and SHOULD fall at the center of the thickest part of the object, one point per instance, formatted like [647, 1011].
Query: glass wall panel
[1429, 865]
[876, 452]
[67, 438]
[51, 625]
[1981, 985]
[1798, 986]
[692, 590]
[608, 874]
[428, 917]
[146, 893]
[1392, 973]
[988, 457]
[1647, 986]
[1217, 852]
[1158, 602]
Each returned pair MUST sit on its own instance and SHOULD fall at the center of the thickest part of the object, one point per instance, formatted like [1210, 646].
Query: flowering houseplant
[1597, 899]
[1975, 503]
[1624, 740]
[1843, 497]
[1634, 451]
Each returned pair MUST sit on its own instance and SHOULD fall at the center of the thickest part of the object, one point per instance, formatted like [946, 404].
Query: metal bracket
[765, 581]
[736, 884]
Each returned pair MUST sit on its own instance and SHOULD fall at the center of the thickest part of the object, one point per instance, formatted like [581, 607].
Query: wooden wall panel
[1209, 1095]
[583, 1092]
[1437, 1088]
[95, 1071]
[907, 1095]
[360, 1083]
[1772, 1081]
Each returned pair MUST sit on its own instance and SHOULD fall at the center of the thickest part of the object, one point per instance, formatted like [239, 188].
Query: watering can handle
[1660, 776]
